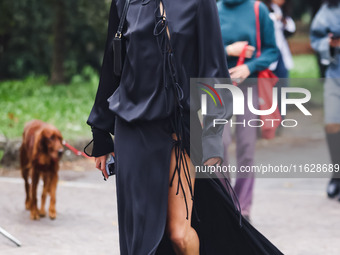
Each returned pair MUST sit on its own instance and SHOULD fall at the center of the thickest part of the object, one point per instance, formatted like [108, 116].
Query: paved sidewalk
[86, 222]
[294, 214]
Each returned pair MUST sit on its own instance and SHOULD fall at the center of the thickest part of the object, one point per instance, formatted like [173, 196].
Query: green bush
[305, 66]
[28, 31]
[305, 74]
[65, 106]
[68, 106]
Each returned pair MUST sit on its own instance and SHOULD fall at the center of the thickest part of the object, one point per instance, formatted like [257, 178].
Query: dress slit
[143, 172]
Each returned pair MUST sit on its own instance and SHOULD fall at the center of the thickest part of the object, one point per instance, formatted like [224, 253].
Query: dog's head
[49, 141]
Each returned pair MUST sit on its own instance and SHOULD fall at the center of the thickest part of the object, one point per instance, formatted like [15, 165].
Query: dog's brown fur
[40, 153]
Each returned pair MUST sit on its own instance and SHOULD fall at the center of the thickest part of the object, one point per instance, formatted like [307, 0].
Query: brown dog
[40, 152]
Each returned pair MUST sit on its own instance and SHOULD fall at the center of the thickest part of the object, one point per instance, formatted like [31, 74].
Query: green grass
[305, 74]
[305, 66]
[68, 106]
[65, 106]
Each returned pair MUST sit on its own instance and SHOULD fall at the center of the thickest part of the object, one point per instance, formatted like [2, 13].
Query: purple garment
[245, 150]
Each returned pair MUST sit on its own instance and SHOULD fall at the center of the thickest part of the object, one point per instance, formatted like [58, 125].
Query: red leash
[74, 150]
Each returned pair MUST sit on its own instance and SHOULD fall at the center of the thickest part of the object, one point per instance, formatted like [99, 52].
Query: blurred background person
[238, 25]
[325, 39]
[284, 27]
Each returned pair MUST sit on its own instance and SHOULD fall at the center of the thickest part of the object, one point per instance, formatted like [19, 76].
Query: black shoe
[333, 188]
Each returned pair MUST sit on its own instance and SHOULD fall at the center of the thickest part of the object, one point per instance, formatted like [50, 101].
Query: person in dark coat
[162, 209]
[325, 39]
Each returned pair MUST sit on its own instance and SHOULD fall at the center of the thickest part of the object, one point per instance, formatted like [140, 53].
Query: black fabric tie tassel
[169, 70]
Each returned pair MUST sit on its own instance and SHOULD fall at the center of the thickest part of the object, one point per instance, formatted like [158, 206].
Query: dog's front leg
[34, 186]
[53, 189]
[47, 179]
[25, 172]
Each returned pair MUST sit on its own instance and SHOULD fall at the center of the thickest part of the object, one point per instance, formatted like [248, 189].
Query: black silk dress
[147, 104]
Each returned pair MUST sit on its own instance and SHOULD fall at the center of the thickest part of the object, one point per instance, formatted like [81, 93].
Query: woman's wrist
[229, 50]
[102, 142]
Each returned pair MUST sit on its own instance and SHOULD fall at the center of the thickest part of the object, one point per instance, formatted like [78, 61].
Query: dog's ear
[60, 136]
[39, 144]
[43, 144]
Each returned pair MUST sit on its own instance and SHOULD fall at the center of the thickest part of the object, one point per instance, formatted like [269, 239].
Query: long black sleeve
[212, 64]
[101, 119]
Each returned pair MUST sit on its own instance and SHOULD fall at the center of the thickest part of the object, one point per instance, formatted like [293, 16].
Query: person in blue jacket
[325, 39]
[238, 26]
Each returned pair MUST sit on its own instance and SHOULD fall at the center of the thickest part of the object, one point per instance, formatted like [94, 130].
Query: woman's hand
[101, 164]
[213, 161]
[239, 73]
[334, 42]
[236, 49]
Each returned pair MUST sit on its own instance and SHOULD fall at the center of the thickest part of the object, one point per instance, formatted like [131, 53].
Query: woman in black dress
[147, 108]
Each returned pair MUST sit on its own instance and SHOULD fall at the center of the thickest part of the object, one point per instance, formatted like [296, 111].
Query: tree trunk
[57, 72]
